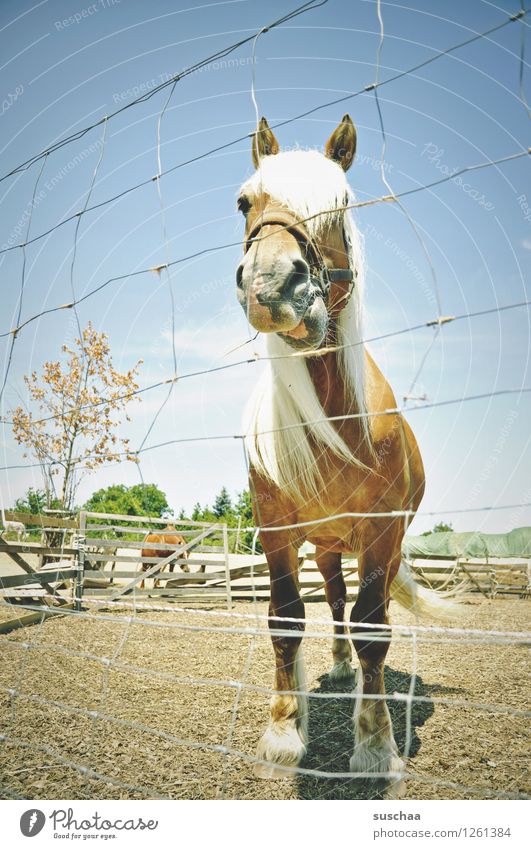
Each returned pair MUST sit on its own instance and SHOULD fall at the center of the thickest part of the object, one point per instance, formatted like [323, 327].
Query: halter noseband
[321, 275]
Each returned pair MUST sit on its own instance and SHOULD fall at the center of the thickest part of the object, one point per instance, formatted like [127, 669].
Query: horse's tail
[419, 600]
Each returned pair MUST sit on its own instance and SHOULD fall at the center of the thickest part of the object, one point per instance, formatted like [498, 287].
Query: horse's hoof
[280, 746]
[342, 670]
[381, 760]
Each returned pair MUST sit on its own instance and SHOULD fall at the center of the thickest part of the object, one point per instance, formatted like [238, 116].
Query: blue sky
[67, 64]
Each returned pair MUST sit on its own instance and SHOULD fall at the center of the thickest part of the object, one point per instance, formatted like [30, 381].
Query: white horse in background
[17, 528]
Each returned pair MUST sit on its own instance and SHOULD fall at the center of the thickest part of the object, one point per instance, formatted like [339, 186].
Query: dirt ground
[165, 690]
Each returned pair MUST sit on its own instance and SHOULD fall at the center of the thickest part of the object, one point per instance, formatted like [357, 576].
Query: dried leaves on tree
[69, 431]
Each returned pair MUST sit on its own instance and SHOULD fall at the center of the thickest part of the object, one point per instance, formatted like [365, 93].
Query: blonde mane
[307, 183]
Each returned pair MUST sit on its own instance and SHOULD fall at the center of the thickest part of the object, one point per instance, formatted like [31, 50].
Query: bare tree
[79, 404]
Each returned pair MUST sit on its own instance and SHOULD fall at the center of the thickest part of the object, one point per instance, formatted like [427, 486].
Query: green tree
[34, 502]
[243, 509]
[151, 499]
[439, 528]
[222, 507]
[197, 512]
[139, 500]
[233, 515]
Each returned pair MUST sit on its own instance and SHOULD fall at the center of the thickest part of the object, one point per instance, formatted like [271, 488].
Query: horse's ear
[341, 146]
[264, 142]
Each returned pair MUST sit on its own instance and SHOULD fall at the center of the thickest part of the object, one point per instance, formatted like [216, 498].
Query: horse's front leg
[156, 581]
[112, 565]
[283, 742]
[329, 565]
[375, 749]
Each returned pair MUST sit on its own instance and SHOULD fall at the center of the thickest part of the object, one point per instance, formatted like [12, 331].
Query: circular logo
[32, 822]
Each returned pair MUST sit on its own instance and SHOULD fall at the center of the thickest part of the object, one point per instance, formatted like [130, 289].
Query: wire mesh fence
[141, 698]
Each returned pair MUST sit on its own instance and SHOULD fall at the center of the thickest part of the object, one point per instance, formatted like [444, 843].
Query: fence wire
[256, 625]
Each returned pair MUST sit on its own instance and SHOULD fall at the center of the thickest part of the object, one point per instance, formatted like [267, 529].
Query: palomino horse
[300, 281]
[167, 536]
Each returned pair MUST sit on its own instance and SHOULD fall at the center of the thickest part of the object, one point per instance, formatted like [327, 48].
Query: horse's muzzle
[277, 299]
[311, 330]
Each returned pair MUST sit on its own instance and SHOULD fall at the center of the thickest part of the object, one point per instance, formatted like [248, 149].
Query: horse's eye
[244, 204]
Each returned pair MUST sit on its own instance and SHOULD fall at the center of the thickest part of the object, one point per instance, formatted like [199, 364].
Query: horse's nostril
[299, 270]
[239, 276]
[296, 280]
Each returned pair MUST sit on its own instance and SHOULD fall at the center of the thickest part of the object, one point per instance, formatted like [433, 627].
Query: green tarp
[516, 543]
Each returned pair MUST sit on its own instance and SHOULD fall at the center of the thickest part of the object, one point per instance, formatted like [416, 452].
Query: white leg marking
[375, 749]
[342, 656]
[283, 742]
[281, 745]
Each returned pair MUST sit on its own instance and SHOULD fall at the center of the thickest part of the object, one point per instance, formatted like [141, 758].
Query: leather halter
[321, 275]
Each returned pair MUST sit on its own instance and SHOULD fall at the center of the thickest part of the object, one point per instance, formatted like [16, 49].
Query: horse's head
[296, 271]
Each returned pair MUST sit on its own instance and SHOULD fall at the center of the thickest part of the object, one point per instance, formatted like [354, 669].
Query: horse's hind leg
[283, 743]
[375, 750]
[329, 565]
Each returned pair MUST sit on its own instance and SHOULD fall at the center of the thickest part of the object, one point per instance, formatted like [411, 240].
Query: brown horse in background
[300, 282]
[168, 536]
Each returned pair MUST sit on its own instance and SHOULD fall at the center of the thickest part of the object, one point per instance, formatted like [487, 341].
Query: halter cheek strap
[320, 273]
[336, 275]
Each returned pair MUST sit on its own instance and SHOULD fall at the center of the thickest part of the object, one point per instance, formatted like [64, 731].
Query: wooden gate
[44, 563]
[111, 564]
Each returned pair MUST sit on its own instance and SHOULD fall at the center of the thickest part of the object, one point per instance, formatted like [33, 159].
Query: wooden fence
[100, 557]
[112, 565]
[45, 572]
[489, 576]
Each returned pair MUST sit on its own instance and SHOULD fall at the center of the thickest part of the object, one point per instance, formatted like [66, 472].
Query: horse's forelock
[305, 182]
